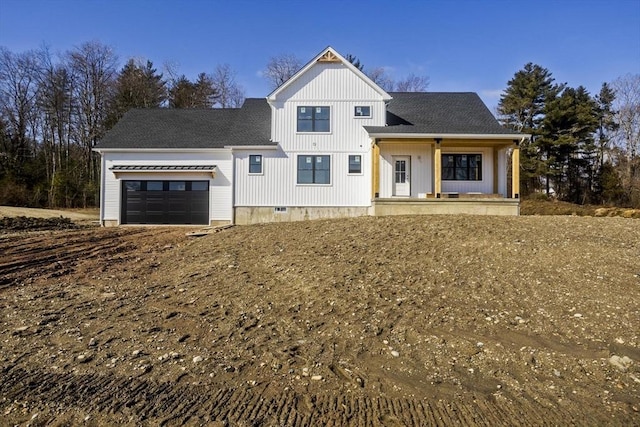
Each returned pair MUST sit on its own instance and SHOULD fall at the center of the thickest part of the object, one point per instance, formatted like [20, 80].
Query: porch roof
[440, 115]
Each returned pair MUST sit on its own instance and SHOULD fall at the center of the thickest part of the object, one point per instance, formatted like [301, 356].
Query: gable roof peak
[328, 55]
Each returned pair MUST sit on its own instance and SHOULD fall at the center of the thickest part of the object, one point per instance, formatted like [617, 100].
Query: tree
[280, 69]
[412, 83]
[93, 66]
[566, 141]
[521, 108]
[355, 61]
[627, 137]
[606, 120]
[380, 77]
[230, 94]
[18, 96]
[186, 94]
[138, 86]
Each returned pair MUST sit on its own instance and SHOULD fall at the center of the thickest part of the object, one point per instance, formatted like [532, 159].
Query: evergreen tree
[355, 61]
[139, 86]
[521, 108]
[187, 94]
[567, 144]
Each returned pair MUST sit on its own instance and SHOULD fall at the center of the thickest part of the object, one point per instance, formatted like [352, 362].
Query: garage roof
[192, 128]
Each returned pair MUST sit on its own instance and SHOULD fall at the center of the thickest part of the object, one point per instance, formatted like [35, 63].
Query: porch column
[515, 170]
[437, 169]
[375, 170]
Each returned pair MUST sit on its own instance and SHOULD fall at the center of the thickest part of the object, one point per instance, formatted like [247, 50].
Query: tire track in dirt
[37, 256]
[142, 401]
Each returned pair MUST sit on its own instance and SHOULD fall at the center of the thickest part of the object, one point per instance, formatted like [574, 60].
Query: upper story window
[362, 111]
[255, 163]
[314, 119]
[462, 167]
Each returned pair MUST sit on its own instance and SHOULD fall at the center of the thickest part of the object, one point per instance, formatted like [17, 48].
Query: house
[327, 143]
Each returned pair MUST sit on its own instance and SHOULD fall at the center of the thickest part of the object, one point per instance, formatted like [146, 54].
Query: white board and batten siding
[421, 169]
[277, 185]
[330, 85]
[220, 186]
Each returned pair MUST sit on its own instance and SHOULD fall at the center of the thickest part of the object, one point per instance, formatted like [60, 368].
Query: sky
[461, 46]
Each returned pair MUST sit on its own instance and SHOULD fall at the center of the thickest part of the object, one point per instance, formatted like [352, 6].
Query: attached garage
[165, 202]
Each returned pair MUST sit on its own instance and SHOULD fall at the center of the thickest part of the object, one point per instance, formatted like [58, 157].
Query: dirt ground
[395, 321]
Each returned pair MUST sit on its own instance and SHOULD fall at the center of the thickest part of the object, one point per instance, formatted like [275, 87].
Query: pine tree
[521, 108]
[139, 86]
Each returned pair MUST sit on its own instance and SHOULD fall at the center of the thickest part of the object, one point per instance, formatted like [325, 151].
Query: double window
[255, 163]
[314, 119]
[462, 167]
[314, 169]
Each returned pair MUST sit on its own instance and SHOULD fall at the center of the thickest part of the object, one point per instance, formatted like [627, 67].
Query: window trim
[481, 168]
[314, 132]
[314, 184]
[360, 172]
[355, 112]
[261, 163]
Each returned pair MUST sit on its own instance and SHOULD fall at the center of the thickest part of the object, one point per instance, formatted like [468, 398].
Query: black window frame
[353, 163]
[313, 119]
[317, 175]
[461, 168]
[253, 163]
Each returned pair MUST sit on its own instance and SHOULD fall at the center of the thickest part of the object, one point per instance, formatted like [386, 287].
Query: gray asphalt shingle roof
[438, 113]
[407, 113]
[192, 128]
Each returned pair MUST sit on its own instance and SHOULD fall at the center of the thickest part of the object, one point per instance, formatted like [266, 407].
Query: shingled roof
[192, 128]
[408, 113]
[438, 113]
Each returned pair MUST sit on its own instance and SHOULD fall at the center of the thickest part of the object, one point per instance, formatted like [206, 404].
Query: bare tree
[627, 139]
[93, 66]
[280, 68]
[18, 94]
[381, 78]
[412, 83]
[230, 93]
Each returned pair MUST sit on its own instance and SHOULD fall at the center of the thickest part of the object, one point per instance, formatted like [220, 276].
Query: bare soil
[395, 321]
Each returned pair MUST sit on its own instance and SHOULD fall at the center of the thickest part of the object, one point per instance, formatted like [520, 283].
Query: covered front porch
[445, 174]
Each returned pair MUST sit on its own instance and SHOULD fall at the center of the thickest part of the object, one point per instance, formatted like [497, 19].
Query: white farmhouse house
[327, 143]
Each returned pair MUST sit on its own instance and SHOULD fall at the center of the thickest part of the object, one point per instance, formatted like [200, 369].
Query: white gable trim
[273, 95]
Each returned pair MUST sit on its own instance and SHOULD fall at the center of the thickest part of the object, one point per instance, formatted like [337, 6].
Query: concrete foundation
[258, 214]
[468, 206]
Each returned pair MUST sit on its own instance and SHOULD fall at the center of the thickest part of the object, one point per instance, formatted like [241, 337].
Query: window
[462, 167]
[355, 163]
[155, 185]
[362, 111]
[199, 185]
[314, 170]
[255, 163]
[313, 119]
[177, 186]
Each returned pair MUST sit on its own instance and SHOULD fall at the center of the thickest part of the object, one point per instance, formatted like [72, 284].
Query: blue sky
[460, 45]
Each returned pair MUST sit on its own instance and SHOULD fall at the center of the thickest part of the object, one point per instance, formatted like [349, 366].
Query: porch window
[314, 170]
[314, 119]
[462, 167]
[355, 164]
[255, 163]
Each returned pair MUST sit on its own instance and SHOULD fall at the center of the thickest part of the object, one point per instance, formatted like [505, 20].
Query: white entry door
[402, 176]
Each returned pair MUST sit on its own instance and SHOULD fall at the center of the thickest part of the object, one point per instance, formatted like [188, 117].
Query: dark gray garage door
[165, 202]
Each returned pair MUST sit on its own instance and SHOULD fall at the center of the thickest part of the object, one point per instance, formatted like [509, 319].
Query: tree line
[54, 109]
[584, 148]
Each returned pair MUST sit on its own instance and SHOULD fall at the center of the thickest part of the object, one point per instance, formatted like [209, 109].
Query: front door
[402, 176]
